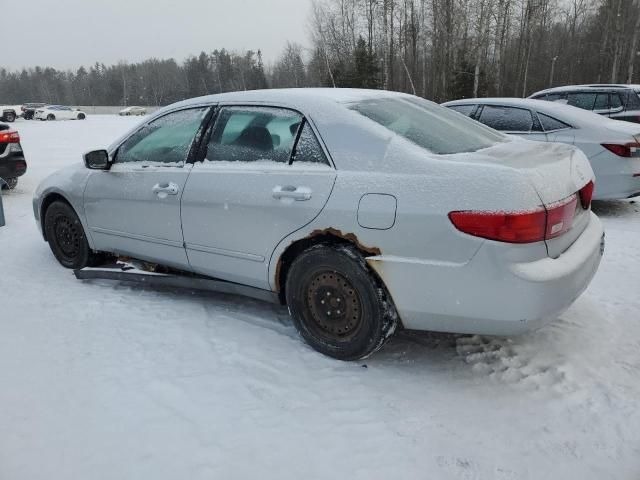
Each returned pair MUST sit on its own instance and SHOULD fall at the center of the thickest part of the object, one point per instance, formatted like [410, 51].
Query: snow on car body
[381, 199]
[612, 146]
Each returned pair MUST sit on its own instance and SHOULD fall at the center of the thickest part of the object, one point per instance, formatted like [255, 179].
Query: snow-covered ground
[101, 380]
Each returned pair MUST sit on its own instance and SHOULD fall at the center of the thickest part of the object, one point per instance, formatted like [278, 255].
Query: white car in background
[612, 146]
[140, 111]
[59, 112]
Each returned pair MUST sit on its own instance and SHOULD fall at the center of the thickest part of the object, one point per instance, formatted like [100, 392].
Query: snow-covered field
[101, 380]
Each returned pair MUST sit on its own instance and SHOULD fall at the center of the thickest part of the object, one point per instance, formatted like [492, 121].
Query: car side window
[584, 100]
[552, 97]
[633, 101]
[463, 109]
[166, 140]
[308, 148]
[550, 124]
[507, 119]
[250, 134]
[602, 102]
[615, 101]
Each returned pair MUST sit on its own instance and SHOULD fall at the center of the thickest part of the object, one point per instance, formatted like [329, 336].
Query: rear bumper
[498, 292]
[12, 165]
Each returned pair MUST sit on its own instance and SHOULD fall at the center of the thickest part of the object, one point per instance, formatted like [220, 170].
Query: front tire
[10, 117]
[66, 237]
[51, 117]
[81, 116]
[337, 304]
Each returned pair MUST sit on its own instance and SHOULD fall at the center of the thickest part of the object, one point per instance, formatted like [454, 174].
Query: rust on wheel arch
[329, 232]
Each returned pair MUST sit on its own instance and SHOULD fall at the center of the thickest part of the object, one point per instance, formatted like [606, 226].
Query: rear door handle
[299, 194]
[166, 189]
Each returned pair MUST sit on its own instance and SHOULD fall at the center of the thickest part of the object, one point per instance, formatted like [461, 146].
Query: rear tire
[10, 117]
[81, 116]
[67, 239]
[336, 303]
[51, 117]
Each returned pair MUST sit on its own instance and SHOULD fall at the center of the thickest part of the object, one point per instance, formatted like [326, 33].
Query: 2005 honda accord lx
[363, 211]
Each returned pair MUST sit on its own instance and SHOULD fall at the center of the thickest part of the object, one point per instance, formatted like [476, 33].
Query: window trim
[305, 120]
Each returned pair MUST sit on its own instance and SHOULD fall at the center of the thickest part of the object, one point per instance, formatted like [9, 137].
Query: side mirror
[97, 160]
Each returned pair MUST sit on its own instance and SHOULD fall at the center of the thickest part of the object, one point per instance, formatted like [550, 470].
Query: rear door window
[507, 119]
[250, 134]
[584, 100]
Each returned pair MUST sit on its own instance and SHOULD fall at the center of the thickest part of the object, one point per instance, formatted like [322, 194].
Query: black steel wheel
[66, 237]
[337, 304]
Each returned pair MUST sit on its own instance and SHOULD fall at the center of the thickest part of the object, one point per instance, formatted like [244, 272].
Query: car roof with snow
[296, 97]
[587, 88]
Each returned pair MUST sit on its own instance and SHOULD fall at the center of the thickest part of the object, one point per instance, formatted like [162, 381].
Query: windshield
[428, 125]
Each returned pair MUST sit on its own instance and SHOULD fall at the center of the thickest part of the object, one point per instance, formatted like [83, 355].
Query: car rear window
[428, 125]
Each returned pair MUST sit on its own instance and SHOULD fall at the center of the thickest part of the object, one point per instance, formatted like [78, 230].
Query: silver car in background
[613, 147]
[130, 111]
[362, 211]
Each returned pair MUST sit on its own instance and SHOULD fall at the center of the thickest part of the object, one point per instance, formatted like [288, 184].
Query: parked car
[361, 210]
[9, 113]
[12, 161]
[29, 109]
[133, 111]
[615, 101]
[612, 147]
[59, 112]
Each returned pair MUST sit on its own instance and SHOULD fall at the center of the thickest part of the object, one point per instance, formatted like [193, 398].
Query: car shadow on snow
[615, 208]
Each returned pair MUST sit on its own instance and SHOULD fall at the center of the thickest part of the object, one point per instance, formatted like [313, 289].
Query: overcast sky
[69, 33]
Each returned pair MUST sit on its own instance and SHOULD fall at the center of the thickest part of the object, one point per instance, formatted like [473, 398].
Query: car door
[63, 113]
[513, 121]
[264, 174]
[134, 208]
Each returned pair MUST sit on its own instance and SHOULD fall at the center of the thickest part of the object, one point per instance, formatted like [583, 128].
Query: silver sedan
[362, 211]
[612, 146]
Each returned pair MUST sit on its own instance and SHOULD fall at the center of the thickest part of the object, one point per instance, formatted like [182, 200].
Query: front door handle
[299, 194]
[164, 189]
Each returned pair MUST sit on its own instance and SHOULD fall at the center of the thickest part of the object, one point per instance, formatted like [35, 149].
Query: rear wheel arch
[330, 237]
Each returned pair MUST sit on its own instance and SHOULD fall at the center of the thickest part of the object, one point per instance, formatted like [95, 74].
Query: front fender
[68, 184]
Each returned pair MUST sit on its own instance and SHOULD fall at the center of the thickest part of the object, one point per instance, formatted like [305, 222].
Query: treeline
[152, 82]
[447, 49]
[439, 49]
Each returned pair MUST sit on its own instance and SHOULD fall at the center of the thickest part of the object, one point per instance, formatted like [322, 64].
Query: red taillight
[626, 150]
[518, 227]
[9, 136]
[586, 194]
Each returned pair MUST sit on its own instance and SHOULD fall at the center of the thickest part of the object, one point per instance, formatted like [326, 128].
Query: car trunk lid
[558, 173]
